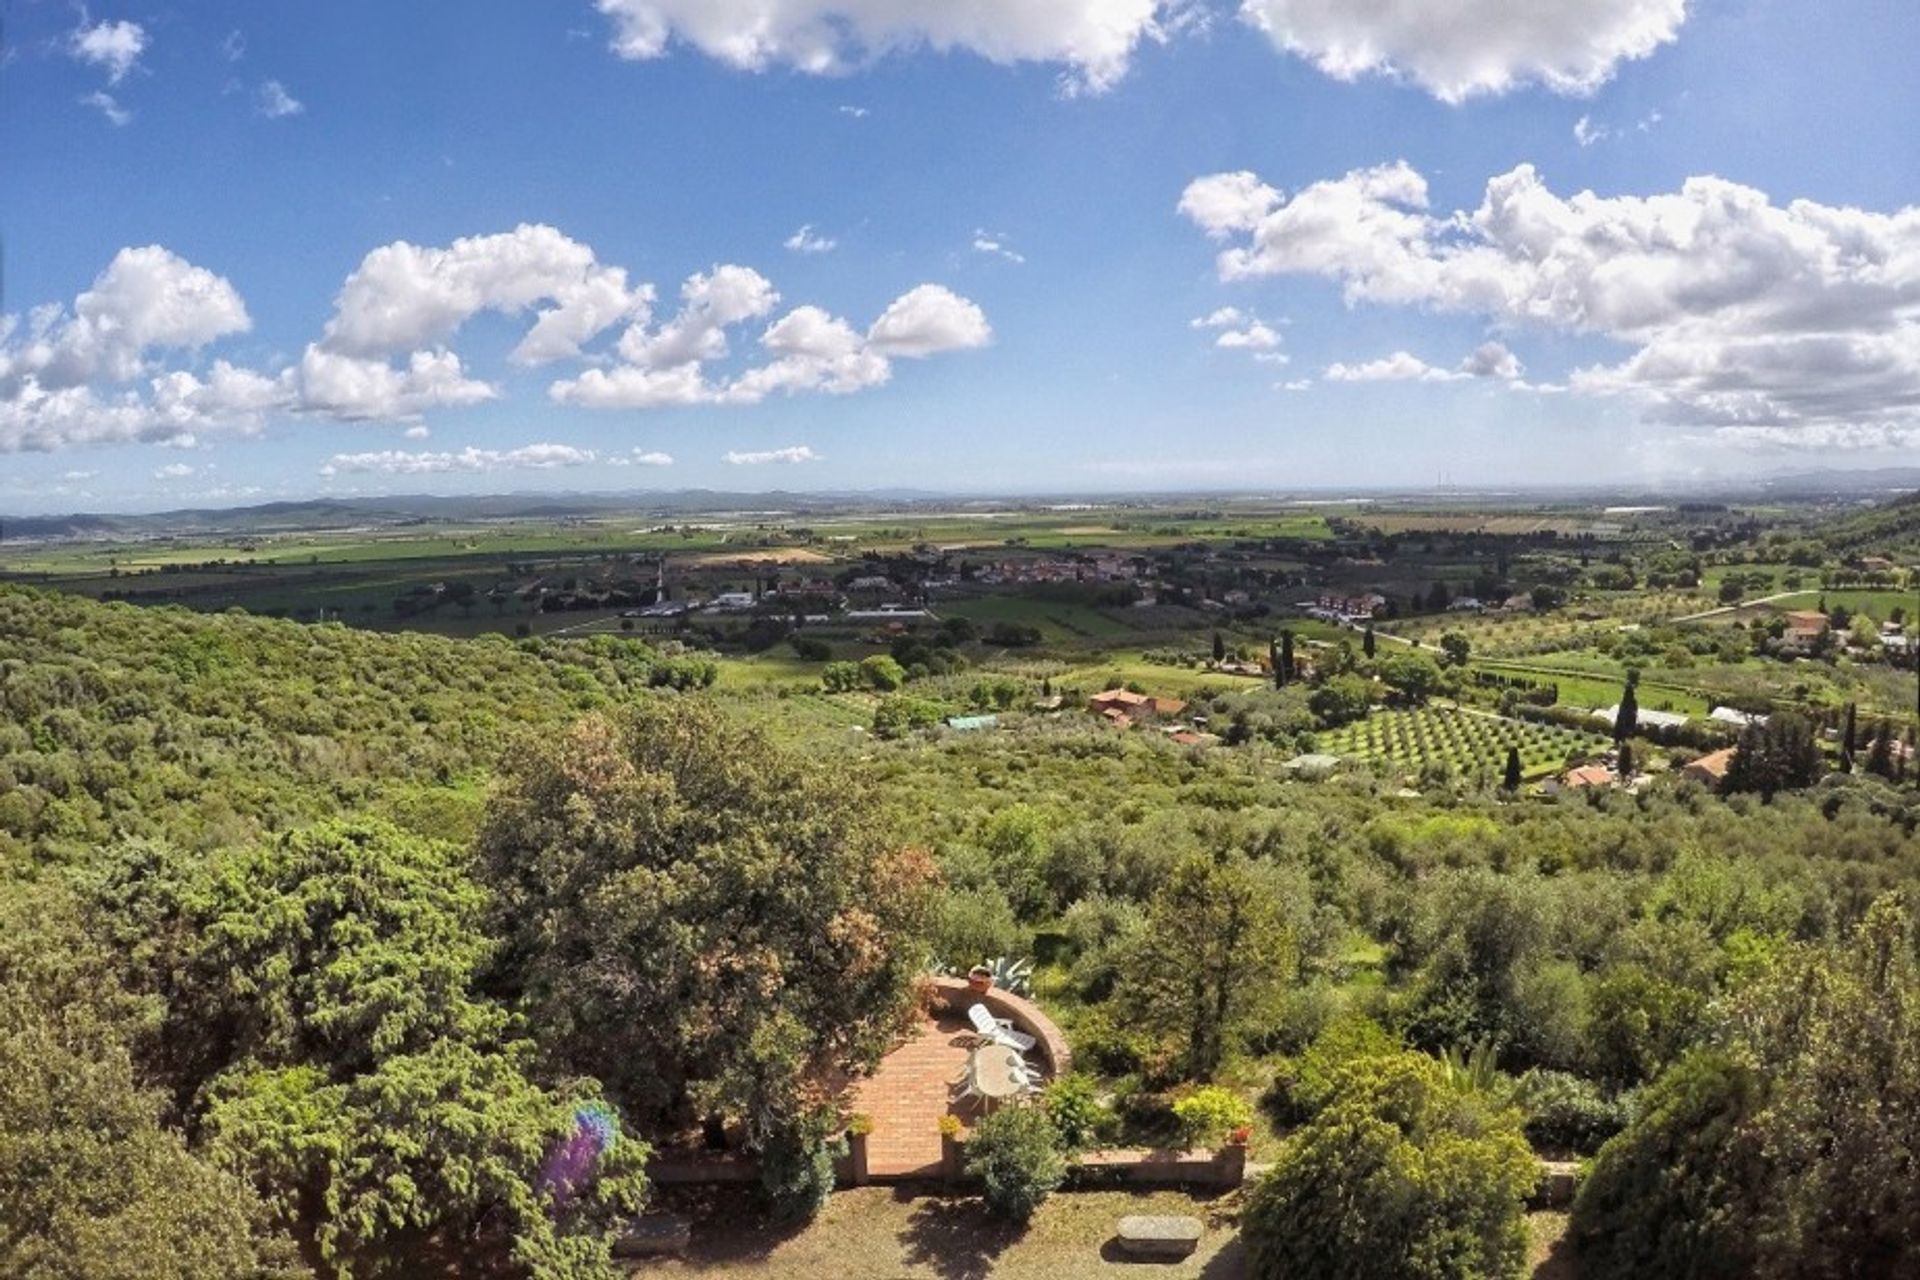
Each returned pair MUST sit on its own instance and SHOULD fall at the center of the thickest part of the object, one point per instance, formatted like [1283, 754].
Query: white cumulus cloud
[114, 47]
[97, 372]
[1093, 39]
[1243, 331]
[399, 462]
[1466, 48]
[1492, 360]
[754, 458]
[357, 389]
[807, 240]
[1401, 366]
[927, 319]
[65, 374]
[274, 102]
[807, 349]
[405, 297]
[109, 106]
[1738, 312]
[994, 245]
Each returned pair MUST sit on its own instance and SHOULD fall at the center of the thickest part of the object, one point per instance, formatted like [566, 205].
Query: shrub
[899, 715]
[969, 925]
[1663, 1196]
[811, 649]
[1567, 1113]
[684, 672]
[1303, 1085]
[1399, 1175]
[1209, 1114]
[796, 1169]
[1016, 1155]
[882, 672]
[1079, 1117]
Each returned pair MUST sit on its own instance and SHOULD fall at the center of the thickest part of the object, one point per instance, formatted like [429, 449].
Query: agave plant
[1473, 1071]
[1015, 976]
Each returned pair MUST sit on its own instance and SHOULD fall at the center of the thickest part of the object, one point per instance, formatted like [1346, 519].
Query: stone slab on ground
[653, 1235]
[1158, 1236]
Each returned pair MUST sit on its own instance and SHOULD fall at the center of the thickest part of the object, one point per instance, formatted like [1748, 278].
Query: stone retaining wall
[955, 995]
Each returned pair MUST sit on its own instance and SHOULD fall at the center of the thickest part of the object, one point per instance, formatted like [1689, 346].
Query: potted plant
[951, 1147]
[980, 979]
[1241, 1135]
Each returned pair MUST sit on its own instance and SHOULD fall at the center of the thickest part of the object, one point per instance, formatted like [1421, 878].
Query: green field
[1878, 605]
[1463, 740]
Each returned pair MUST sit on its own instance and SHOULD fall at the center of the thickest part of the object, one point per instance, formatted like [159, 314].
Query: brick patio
[909, 1093]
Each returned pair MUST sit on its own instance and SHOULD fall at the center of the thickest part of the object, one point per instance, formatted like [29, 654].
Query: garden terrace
[913, 1085]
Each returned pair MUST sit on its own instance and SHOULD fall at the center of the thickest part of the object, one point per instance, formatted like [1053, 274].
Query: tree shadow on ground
[1558, 1264]
[957, 1238]
[1228, 1264]
[729, 1225]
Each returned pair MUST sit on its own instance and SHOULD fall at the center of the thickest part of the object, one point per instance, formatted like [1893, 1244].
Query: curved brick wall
[1022, 1013]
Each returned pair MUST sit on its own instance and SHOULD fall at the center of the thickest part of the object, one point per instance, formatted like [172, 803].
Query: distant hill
[1890, 529]
[1832, 483]
[321, 514]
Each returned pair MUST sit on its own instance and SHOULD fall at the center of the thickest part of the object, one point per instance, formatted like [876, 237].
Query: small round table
[995, 1069]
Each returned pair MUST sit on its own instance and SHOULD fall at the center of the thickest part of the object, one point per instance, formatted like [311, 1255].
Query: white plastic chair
[999, 1030]
[965, 1087]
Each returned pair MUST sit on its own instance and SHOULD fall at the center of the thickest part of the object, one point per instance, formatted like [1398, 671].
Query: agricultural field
[1584, 620]
[1465, 741]
[1586, 688]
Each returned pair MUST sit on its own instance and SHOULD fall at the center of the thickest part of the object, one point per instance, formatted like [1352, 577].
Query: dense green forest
[331, 951]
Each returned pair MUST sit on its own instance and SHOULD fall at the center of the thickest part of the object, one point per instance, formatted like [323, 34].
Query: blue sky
[1103, 244]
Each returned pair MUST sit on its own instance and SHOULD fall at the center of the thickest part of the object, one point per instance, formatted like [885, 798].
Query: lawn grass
[878, 1233]
[881, 1233]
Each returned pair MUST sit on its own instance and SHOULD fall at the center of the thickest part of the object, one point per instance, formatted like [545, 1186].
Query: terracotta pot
[1241, 1136]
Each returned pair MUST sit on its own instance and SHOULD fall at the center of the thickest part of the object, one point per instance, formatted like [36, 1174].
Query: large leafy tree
[1790, 1150]
[1216, 953]
[323, 1033]
[92, 1186]
[709, 922]
[1413, 675]
[1402, 1175]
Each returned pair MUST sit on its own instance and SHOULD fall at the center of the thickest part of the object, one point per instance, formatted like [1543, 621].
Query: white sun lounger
[999, 1029]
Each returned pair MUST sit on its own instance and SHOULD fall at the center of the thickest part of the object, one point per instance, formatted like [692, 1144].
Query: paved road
[1744, 604]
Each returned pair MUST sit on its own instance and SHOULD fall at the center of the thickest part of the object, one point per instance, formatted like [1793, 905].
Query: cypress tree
[1880, 755]
[1628, 720]
[1626, 761]
[1366, 642]
[1273, 661]
[1286, 658]
[1219, 647]
[1512, 780]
